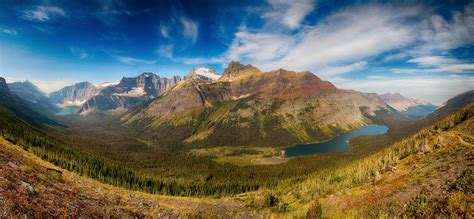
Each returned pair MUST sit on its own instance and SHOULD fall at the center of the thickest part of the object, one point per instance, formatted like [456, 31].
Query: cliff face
[75, 94]
[247, 106]
[130, 92]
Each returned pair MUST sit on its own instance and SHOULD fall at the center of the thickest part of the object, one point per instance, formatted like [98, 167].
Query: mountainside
[249, 107]
[452, 105]
[409, 107]
[27, 91]
[33, 96]
[426, 175]
[129, 92]
[11, 102]
[74, 95]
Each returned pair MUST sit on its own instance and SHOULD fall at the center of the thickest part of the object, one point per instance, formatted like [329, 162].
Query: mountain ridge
[265, 107]
[409, 107]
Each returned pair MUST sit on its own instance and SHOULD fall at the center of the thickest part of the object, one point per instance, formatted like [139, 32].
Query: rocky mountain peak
[235, 69]
[27, 90]
[3, 86]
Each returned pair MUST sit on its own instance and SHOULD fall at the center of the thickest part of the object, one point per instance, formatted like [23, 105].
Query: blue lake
[339, 143]
[67, 110]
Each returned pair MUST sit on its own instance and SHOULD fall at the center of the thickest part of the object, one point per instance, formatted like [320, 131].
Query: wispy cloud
[133, 61]
[441, 34]
[80, 53]
[436, 64]
[344, 69]
[164, 31]
[165, 51]
[259, 47]
[43, 13]
[9, 31]
[191, 28]
[200, 60]
[289, 13]
[348, 36]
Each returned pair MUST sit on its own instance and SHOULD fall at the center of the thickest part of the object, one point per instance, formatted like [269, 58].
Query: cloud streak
[133, 61]
[190, 28]
[351, 35]
[289, 13]
[80, 53]
[9, 31]
[436, 64]
[43, 13]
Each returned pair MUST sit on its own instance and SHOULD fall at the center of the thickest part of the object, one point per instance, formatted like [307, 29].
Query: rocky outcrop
[74, 95]
[4, 90]
[235, 69]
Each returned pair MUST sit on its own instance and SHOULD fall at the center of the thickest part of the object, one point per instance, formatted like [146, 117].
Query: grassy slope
[432, 160]
[67, 193]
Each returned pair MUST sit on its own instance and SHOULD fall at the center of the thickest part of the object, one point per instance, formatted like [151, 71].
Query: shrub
[315, 210]
[26, 168]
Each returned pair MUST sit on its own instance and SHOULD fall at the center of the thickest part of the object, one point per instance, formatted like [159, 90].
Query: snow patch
[106, 84]
[208, 73]
[135, 92]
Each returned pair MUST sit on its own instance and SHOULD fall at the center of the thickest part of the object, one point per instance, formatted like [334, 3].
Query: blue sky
[422, 49]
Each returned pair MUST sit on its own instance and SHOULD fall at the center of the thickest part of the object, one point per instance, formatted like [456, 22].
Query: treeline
[59, 153]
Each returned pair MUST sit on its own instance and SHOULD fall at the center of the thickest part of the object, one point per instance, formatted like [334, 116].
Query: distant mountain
[249, 107]
[27, 91]
[129, 92]
[34, 97]
[13, 104]
[74, 95]
[207, 74]
[409, 107]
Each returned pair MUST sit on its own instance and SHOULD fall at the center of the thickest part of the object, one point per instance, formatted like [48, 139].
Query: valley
[236, 109]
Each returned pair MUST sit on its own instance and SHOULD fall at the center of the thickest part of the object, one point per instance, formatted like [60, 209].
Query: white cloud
[289, 13]
[82, 54]
[344, 69]
[433, 89]
[433, 60]
[436, 64]
[9, 31]
[259, 47]
[165, 51]
[190, 28]
[348, 36]
[43, 13]
[164, 31]
[440, 34]
[132, 61]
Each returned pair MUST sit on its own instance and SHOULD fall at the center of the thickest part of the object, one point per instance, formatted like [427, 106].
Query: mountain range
[409, 107]
[243, 106]
[249, 107]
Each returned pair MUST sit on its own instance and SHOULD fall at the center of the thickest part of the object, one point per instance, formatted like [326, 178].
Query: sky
[421, 49]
